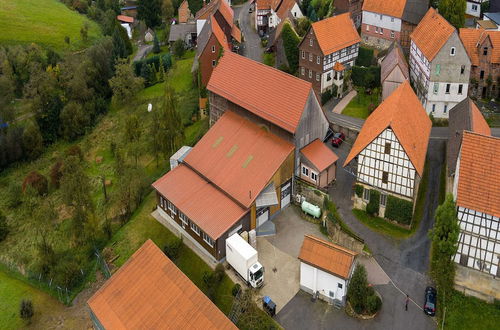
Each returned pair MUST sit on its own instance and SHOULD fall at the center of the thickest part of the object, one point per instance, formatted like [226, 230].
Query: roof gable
[335, 33]
[394, 8]
[269, 93]
[319, 155]
[404, 114]
[432, 33]
[394, 58]
[473, 39]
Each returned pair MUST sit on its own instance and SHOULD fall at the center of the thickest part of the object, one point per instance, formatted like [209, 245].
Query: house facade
[318, 164]
[387, 21]
[439, 65]
[270, 13]
[393, 70]
[329, 41]
[354, 7]
[473, 8]
[483, 48]
[325, 269]
[476, 191]
[389, 153]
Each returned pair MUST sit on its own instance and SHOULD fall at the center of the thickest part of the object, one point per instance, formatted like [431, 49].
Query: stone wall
[474, 283]
[338, 236]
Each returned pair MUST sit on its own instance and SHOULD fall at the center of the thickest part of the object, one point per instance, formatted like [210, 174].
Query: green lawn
[470, 313]
[46, 22]
[12, 291]
[358, 107]
[381, 226]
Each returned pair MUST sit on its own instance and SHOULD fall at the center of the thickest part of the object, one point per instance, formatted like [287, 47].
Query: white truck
[243, 258]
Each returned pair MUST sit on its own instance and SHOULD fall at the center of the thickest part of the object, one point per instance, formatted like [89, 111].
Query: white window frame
[310, 73]
[302, 71]
[303, 54]
[392, 19]
[317, 59]
[213, 49]
[393, 35]
[381, 31]
[453, 51]
[213, 63]
[317, 76]
[305, 170]
[207, 239]
[366, 194]
[184, 219]
[195, 228]
[367, 27]
[436, 88]
[474, 7]
[310, 57]
[460, 89]
[172, 207]
[311, 42]
[314, 176]
[383, 199]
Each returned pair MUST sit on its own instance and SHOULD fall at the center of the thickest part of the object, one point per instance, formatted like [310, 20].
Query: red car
[337, 139]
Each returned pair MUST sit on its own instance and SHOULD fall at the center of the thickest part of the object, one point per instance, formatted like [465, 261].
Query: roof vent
[247, 161]
[232, 151]
[217, 142]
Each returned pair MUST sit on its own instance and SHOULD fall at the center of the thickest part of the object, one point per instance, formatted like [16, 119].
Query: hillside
[46, 22]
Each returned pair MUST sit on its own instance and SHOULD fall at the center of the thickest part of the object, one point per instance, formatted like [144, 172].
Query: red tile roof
[394, 58]
[239, 157]
[338, 66]
[200, 201]
[219, 34]
[479, 124]
[319, 155]
[394, 8]
[404, 114]
[473, 40]
[431, 33]
[150, 292]
[226, 12]
[284, 7]
[184, 12]
[335, 33]
[263, 4]
[479, 174]
[124, 18]
[327, 256]
[269, 93]
[206, 11]
[236, 33]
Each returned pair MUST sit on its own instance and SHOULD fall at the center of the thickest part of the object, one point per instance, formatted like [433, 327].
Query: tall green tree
[150, 12]
[453, 11]
[444, 237]
[169, 134]
[125, 84]
[291, 44]
[32, 141]
[74, 121]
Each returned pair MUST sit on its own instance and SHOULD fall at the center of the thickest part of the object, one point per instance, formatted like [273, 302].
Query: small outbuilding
[393, 70]
[325, 269]
[318, 164]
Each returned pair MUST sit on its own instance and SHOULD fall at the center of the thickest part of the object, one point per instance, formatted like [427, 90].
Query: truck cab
[256, 276]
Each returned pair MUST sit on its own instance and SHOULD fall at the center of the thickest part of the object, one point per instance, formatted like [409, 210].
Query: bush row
[399, 210]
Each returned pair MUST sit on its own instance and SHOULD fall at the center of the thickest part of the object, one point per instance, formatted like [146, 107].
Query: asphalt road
[251, 46]
[143, 51]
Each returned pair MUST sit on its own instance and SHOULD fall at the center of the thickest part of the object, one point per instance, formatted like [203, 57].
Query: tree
[453, 11]
[125, 84]
[291, 44]
[179, 48]
[167, 9]
[129, 190]
[26, 310]
[4, 228]
[303, 25]
[444, 236]
[119, 48]
[356, 293]
[149, 11]
[156, 45]
[74, 121]
[171, 131]
[84, 32]
[32, 141]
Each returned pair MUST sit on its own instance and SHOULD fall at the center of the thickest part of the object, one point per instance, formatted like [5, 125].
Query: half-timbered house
[389, 153]
[477, 193]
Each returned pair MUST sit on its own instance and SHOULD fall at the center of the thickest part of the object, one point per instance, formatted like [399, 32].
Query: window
[310, 74]
[317, 76]
[366, 194]
[305, 171]
[460, 89]
[462, 69]
[392, 19]
[213, 49]
[339, 285]
[485, 51]
[310, 42]
[213, 63]
[381, 17]
[376, 29]
[452, 51]
[184, 219]
[381, 31]
[303, 54]
[367, 27]
[195, 228]
[392, 34]
[438, 69]
[317, 59]
[474, 7]
[385, 177]
[302, 71]
[448, 88]
[387, 149]
[314, 176]
[172, 207]
[436, 88]
[328, 76]
[433, 108]
[310, 57]
[208, 239]
[383, 199]
[481, 75]
[445, 108]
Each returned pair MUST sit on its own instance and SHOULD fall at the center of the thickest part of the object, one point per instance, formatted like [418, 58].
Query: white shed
[325, 269]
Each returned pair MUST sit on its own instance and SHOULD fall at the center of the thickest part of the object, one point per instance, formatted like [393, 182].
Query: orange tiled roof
[320, 155]
[150, 292]
[124, 18]
[335, 33]
[239, 157]
[236, 33]
[284, 8]
[404, 114]
[184, 12]
[473, 40]
[263, 4]
[431, 33]
[338, 66]
[202, 202]
[206, 11]
[479, 174]
[394, 8]
[479, 124]
[327, 256]
[269, 93]
[219, 34]
[226, 12]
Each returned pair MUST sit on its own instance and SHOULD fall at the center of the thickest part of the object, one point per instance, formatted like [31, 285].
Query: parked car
[337, 139]
[430, 301]
[329, 135]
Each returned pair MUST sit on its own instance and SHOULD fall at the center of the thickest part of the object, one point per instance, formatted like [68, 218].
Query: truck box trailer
[244, 260]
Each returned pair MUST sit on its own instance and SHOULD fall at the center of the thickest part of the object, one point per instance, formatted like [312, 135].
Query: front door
[286, 192]
[262, 215]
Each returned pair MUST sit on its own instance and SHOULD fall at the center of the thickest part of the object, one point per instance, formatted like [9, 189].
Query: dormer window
[452, 51]
[485, 51]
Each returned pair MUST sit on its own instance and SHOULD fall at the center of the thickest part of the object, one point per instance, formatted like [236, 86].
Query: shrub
[56, 174]
[373, 304]
[4, 229]
[365, 57]
[236, 289]
[373, 206]
[157, 60]
[173, 249]
[326, 96]
[219, 273]
[368, 77]
[37, 181]
[358, 189]
[291, 45]
[75, 151]
[399, 210]
[263, 42]
[179, 48]
[26, 310]
[356, 293]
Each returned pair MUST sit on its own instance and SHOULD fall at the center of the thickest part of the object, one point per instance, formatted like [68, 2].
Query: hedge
[358, 189]
[365, 57]
[291, 44]
[366, 77]
[399, 210]
[166, 60]
[373, 206]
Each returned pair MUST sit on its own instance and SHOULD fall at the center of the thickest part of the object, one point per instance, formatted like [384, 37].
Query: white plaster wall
[199, 26]
[470, 11]
[323, 282]
[387, 22]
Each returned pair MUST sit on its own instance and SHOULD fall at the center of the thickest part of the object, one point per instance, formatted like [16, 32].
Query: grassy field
[358, 107]
[471, 313]
[380, 225]
[46, 22]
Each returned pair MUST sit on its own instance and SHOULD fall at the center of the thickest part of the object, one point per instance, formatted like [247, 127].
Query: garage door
[286, 192]
[262, 215]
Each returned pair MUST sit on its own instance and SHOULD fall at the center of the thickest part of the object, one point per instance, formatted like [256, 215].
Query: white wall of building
[473, 8]
[383, 21]
[326, 284]
[373, 162]
[199, 26]
[440, 103]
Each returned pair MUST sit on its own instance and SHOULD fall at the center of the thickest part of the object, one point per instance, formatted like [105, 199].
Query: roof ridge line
[331, 245]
